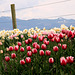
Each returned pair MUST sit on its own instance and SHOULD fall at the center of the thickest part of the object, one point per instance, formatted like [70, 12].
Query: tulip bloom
[59, 45]
[55, 48]
[7, 58]
[35, 43]
[43, 46]
[50, 36]
[63, 61]
[13, 55]
[22, 62]
[29, 53]
[34, 50]
[51, 60]
[64, 46]
[26, 42]
[10, 48]
[19, 43]
[70, 59]
[16, 48]
[22, 49]
[41, 38]
[29, 40]
[28, 48]
[41, 52]
[48, 53]
[28, 60]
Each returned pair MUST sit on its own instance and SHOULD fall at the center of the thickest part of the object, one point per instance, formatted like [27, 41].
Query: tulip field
[38, 52]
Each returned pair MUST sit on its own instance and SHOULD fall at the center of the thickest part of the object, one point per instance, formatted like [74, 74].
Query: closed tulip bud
[34, 51]
[64, 46]
[48, 53]
[37, 46]
[22, 62]
[29, 53]
[50, 36]
[41, 52]
[51, 60]
[35, 43]
[63, 61]
[34, 36]
[10, 48]
[30, 40]
[7, 58]
[43, 46]
[13, 55]
[70, 59]
[26, 42]
[55, 48]
[72, 36]
[57, 39]
[41, 38]
[52, 40]
[19, 44]
[28, 60]
[59, 45]
[28, 48]
[22, 49]
[61, 35]
[16, 48]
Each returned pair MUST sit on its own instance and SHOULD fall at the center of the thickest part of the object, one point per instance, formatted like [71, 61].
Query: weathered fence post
[13, 16]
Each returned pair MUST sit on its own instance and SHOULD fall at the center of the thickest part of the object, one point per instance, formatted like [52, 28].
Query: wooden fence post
[13, 16]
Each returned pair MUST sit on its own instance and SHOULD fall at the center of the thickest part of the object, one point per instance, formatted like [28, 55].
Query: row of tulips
[52, 53]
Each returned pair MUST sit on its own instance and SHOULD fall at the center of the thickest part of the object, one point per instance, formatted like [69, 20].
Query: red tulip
[22, 62]
[41, 38]
[22, 49]
[16, 48]
[46, 42]
[63, 61]
[43, 46]
[72, 36]
[26, 42]
[51, 60]
[13, 55]
[35, 43]
[57, 39]
[50, 36]
[70, 33]
[29, 53]
[19, 44]
[10, 48]
[63, 31]
[55, 48]
[41, 52]
[28, 48]
[28, 60]
[70, 59]
[48, 53]
[34, 36]
[52, 40]
[59, 45]
[64, 46]
[37, 46]
[7, 58]
[61, 35]
[34, 50]
[30, 40]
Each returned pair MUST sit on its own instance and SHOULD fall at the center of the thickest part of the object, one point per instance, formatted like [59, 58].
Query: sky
[43, 12]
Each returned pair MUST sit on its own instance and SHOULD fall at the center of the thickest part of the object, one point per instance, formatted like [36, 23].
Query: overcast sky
[39, 12]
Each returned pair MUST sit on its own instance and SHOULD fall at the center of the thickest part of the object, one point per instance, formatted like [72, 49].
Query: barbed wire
[36, 6]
